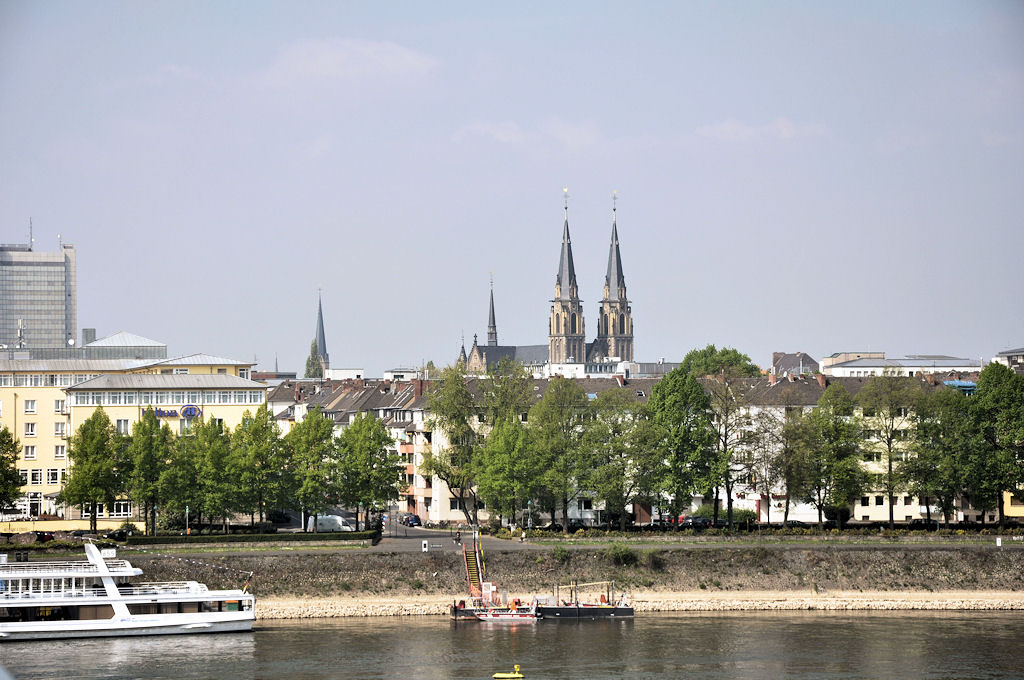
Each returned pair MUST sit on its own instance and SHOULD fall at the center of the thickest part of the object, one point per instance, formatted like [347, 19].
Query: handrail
[20, 568]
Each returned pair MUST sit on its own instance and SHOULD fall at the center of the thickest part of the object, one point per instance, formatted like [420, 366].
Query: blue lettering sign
[190, 411]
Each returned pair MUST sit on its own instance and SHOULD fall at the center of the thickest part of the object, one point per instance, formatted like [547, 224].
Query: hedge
[253, 538]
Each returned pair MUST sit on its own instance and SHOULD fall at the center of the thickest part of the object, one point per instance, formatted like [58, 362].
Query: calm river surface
[714, 645]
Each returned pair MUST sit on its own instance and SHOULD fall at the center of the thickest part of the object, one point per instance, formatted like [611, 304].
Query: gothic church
[566, 331]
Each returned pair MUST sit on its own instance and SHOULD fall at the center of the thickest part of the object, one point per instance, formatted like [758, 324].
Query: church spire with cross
[492, 327]
[566, 338]
[615, 318]
[321, 338]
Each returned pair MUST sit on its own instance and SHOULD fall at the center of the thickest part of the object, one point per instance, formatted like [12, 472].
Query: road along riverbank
[436, 605]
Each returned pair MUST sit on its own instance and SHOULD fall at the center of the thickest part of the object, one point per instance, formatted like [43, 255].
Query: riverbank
[437, 605]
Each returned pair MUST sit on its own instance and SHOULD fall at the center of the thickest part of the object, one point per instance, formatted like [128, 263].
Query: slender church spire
[492, 327]
[321, 339]
[566, 340]
[615, 316]
[614, 281]
[565, 282]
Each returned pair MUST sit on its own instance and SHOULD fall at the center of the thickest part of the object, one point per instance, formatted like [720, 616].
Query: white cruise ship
[48, 600]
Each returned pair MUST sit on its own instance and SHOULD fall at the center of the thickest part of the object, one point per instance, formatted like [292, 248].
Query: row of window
[59, 429]
[44, 380]
[53, 476]
[60, 451]
[880, 500]
[169, 397]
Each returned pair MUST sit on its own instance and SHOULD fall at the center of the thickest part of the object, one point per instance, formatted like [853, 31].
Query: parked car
[695, 523]
[575, 525]
[921, 523]
[116, 535]
[411, 520]
[550, 526]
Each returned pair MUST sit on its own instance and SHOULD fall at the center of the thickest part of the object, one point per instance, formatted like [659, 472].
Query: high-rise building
[38, 297]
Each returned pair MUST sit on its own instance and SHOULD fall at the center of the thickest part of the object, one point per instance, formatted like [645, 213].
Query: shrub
[620, 555]
[561, 555]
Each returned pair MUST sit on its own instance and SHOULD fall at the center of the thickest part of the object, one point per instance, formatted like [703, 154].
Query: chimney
[821, 380]
[771, 379]
[298, 393]
[88, 335]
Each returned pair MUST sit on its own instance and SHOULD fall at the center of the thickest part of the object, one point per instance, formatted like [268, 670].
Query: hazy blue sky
[792, 176]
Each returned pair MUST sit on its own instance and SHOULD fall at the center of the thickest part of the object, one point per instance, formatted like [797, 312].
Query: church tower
[615, 320]
[321, 338]
[492, 327]
[566, 341]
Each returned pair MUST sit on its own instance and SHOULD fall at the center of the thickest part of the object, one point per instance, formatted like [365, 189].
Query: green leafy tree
[998, 408]
[832, 452]
[679, 409]
[148, 454]
[181, 481]
[218, 485]
[888, 403]
[625, 460]
[451, 407]
[314, 463]
[506, 390]
[946, 439]
[10, 479]
[508, 471]
[93, 475]
[314, 369]
[371, 471]
[557, 422]
[712, 361]
[258, 463]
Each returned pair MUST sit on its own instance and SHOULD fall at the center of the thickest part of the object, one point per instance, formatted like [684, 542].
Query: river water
[891, 645]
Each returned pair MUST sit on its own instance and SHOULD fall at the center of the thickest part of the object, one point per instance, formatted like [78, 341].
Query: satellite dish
[71, 342]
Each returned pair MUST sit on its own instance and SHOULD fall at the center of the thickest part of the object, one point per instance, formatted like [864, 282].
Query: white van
[326, 523]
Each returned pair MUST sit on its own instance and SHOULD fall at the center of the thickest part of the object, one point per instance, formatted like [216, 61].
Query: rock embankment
[294, 608]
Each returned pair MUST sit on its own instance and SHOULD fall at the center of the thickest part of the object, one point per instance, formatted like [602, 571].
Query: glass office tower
[38, 297]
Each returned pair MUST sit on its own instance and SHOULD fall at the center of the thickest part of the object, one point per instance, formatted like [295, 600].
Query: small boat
[514, 675]
[95, 598]
[606, 606]
[508, 615]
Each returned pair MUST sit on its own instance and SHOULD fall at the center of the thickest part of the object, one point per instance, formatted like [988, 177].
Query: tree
[507, 389]
[218, 488]
[92, 476]
[315, 474]
[452, 407]
[945, 441]
[508, 473]
[712, 361]
[625, 461]
[258, 463]
[678, 408]
[763, 462]
[831, 452]
[730, 419]
[148, 454]
[10, 479]
[371, 472]
[557, 421]
[998, 409]
[181, 481]
[888, 404]
[314, 369]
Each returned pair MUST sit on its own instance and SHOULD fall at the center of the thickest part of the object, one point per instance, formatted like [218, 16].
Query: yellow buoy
[509, 676]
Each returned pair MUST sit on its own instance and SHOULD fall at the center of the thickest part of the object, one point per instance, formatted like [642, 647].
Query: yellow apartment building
[42, 402]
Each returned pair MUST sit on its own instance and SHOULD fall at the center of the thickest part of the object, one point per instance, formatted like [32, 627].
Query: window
[36, 477]
[60, 451]
[122, 426]
[908, 500]
[585, 504]
[28, 453]
[879, 500]
[255, 397]
[53, 476]
[524, 416]
[864, 501]
[222, 371]
[30, 429]
[58, 405]
[410, 479]
[122, 509]
[129, 398]
[59, 429]
[30, 406]
[183, 425]
[244, 373]
[181, 371]
[23, 475]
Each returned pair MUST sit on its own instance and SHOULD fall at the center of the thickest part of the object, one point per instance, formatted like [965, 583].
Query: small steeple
[492, 328]
[614, 281]
[321, 339]
[566, 280]
[462, 353]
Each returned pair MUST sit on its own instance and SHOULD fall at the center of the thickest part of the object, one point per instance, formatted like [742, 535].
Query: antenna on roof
[30, 239]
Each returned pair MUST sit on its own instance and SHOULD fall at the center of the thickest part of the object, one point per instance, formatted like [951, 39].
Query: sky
[816, 177]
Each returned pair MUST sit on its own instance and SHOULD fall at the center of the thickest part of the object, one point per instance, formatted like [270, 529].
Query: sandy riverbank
[301, 608]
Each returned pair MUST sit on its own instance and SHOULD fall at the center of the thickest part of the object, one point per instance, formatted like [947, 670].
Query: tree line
[703, 436]
[216, 473]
